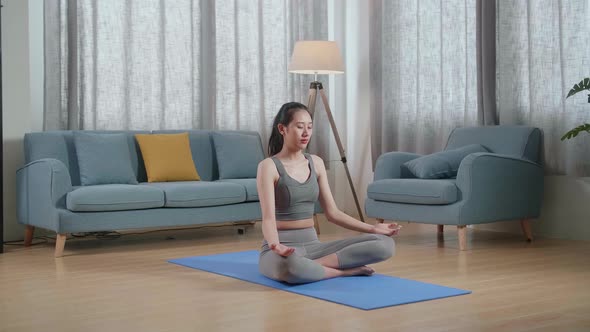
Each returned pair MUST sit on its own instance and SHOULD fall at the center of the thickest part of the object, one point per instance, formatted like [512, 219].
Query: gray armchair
[505, 183]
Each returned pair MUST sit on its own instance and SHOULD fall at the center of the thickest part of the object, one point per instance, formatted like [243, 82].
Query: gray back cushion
[238, 154]
[60, 145]
[103, 158]
[444, 164]
[519, 141]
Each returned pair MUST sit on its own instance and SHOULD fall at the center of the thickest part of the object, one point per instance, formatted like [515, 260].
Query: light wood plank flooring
[126, 284]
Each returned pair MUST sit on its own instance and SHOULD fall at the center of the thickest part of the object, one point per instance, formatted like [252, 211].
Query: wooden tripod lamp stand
[322, 57]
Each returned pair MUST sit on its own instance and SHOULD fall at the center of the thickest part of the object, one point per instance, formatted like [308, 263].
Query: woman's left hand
[386, 229]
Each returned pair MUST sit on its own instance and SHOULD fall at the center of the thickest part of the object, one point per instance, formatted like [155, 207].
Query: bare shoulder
[267, 168]
[318, 163]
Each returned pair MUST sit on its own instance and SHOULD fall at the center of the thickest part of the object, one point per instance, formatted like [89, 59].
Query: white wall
[22, 81]
[36, 23]
[565, 213]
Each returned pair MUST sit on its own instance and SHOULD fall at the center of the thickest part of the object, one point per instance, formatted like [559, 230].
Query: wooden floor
[126, 284]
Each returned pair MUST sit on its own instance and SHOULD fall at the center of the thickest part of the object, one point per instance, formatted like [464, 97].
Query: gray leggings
[300, 266]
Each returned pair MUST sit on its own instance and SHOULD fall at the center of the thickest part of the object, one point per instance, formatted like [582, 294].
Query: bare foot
[359, 271]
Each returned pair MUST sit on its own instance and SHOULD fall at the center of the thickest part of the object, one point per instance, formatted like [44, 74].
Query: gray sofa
[50, 194]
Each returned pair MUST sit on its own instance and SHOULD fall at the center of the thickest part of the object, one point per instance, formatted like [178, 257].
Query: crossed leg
[318, 261]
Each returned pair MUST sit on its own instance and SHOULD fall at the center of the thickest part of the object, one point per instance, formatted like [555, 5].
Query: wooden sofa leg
[462, 237]
[527, 229]
[60, 243]
[440, 228]
[316, 223]
[379, 220]
[29, 230]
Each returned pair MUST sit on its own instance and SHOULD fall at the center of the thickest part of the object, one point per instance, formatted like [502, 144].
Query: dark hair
[284, 117]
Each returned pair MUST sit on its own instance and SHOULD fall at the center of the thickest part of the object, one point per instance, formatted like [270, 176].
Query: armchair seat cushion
[414, 191]
[200, 193]
[114, 197]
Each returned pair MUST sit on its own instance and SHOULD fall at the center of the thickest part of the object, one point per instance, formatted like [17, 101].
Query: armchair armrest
[389, 165]
[499, 187]
[41, 187]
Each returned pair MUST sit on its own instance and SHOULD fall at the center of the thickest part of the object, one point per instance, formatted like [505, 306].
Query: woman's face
[298, 133]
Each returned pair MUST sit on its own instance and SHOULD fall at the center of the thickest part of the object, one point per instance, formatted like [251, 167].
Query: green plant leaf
[574, 132]
[583, 85]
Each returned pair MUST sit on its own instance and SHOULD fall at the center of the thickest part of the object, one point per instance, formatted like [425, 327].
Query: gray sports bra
[295, 200]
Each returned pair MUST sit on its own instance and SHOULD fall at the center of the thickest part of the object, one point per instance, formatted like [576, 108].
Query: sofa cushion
[103, 158]
[114, 197]
[444, 164]
[200, 193]
[249, 185]
[414, 191]
[167, 157]
[238, 155]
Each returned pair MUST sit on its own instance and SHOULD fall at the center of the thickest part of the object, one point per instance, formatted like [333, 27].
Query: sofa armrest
[41, 187]
[499, 187]
[389, 165]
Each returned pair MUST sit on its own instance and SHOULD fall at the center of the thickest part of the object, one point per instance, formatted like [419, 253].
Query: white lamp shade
[316, 57]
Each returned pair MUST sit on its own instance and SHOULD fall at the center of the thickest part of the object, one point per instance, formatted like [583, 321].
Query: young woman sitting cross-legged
[289, 183]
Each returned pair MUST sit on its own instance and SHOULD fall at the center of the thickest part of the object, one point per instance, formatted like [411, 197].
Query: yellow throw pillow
[167, 157]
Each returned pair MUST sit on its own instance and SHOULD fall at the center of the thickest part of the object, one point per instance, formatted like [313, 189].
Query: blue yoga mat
[376, 291]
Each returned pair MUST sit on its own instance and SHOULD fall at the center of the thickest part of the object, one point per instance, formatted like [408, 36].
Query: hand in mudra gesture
[387, 229]
[281, 249]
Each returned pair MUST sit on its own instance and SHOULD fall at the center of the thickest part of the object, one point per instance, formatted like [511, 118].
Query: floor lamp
[322, 57]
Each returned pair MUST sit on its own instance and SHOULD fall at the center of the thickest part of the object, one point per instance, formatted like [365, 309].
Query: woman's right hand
[386, 229]
[282, 250]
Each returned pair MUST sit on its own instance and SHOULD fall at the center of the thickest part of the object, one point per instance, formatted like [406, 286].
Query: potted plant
[583, 85]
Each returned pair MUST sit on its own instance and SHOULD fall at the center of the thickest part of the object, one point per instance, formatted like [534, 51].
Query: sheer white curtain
[423, 73]
[543, 49]
[152, 64]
